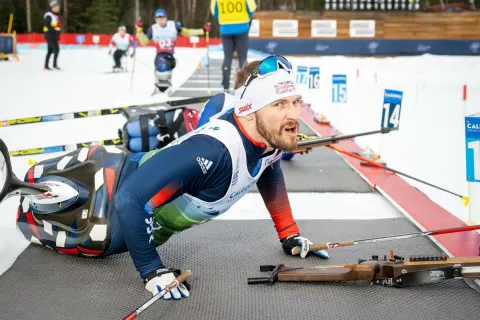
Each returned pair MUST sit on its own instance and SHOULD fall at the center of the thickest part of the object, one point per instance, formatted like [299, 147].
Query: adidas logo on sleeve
[204, 164]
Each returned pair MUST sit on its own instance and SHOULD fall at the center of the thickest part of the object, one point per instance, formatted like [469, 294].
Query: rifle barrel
[329, 140]
[328, 245]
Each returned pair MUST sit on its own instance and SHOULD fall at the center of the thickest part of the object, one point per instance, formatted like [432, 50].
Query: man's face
[278, 122]
[56, 9]
[121, 31]
[161, 20]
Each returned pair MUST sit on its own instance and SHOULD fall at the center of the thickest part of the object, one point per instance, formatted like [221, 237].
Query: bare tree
[29, 18]
[65, 15]
[137, 10]
[194, 10]
[175, 10]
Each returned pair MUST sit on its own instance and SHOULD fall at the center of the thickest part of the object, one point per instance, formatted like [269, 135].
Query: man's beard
[275, 138]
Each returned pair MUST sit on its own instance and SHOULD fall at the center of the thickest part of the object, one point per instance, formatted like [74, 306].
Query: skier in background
[121, 41]
[51, 29]
[164, 34]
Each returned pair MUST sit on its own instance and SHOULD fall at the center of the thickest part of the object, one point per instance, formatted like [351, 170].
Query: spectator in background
[234, 17]
[52, 28]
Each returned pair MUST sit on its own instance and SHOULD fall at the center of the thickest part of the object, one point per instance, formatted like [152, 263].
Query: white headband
[263, 91]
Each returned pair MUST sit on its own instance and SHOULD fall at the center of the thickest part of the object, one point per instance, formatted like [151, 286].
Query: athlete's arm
[144, 38]
[47, 22]
[181, 30]
[214, 8]
[133, 43]
[274, 193]
[159, 180]
[110, 45]
[251, 7]
[212, 107]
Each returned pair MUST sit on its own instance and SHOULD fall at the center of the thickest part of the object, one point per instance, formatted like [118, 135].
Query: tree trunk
[29, 18]
[137, 10]
[183, 12]
[175, 11]
[194, 11]
[65, 15]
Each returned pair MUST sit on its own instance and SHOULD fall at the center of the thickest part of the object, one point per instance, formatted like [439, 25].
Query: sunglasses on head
[268, 66]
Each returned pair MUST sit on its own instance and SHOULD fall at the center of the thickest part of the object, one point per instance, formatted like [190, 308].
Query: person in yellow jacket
[234, 18]
[51, 29]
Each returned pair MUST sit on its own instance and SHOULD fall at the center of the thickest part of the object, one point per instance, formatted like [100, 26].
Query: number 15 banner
[472, 143]
[339, 88]
[392, 106]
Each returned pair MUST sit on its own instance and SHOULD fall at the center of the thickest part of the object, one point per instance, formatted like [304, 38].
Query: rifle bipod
[393, 272]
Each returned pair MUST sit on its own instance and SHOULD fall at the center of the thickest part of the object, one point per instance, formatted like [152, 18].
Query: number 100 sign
[392, 106]
[472, 141]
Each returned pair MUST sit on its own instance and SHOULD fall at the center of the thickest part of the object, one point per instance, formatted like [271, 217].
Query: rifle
[306, 143]
[393, 272]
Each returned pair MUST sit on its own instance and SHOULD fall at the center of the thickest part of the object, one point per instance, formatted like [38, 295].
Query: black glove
[291, 242]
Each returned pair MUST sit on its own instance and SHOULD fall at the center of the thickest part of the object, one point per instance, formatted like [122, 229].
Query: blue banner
[370, 47]
[314, 78]
[339, 88]
[472, 145]
[302, 75]
[392, 107]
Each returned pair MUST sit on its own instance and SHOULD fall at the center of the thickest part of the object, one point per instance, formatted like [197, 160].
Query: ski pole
[133, 70]
[208, 61]
[465, 199]
[332, 245]
[181, 278]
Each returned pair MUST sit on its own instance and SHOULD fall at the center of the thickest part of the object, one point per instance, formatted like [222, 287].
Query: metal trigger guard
[270, 279]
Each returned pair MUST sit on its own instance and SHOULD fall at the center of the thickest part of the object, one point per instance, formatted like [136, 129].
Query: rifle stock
[395, 271]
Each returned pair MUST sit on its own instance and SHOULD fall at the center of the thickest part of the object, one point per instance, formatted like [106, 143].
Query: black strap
[144, 133]
[161, 124]
[175, 126]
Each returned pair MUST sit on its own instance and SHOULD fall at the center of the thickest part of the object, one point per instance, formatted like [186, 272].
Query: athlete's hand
[159, 279]
[207, 28]
[291, 242]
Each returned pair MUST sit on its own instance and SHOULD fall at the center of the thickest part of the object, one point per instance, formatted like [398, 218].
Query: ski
[66, 147]
[96, 113]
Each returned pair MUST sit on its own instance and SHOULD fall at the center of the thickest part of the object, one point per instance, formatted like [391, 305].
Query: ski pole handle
[181, 278]
[325, 246]
[313, 247]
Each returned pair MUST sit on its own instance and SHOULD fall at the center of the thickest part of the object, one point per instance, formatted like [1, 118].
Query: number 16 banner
[392, 106]
[339, 88]
[472, 136]
[314, 78]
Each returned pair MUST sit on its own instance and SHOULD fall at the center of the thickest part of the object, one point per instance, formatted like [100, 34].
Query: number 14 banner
[472, 137]
[392, 106]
